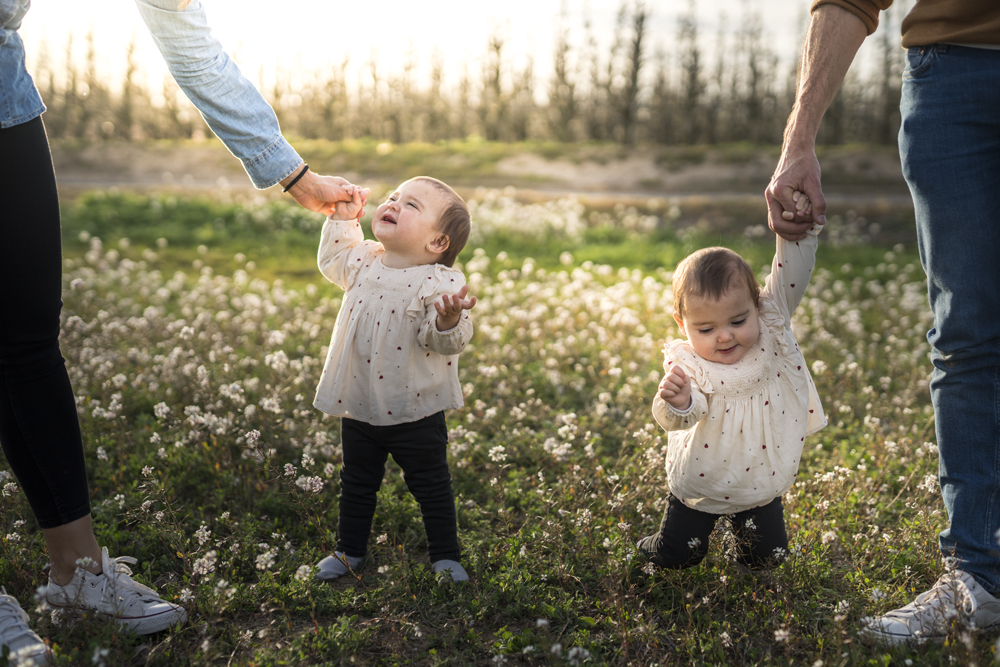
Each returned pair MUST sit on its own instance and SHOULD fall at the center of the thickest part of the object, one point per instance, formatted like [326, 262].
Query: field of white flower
[209, 464]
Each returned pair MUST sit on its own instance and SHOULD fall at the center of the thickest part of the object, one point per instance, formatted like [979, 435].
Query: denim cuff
[275, 163]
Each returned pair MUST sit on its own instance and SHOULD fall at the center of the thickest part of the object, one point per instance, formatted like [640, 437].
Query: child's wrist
[446, 324]
[686, 406]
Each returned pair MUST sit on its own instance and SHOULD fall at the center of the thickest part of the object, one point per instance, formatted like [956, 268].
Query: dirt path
[851, 176]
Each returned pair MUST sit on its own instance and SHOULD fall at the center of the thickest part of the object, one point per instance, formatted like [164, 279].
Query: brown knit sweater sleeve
[866, 10]
[972, 22]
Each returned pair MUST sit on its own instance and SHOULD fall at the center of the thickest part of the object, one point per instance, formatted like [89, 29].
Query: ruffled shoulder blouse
[739, 444]
[387, 363]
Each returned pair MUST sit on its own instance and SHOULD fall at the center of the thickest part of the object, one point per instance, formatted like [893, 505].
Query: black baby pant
[682, 540]
[420, 449]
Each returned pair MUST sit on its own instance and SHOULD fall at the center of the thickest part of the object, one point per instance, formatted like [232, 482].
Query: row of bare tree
[628, 94]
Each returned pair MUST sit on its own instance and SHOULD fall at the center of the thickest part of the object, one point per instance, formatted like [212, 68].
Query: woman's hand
[320, 193]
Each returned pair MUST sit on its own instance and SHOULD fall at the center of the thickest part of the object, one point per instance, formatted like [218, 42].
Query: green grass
[281, 238]
[560, 374]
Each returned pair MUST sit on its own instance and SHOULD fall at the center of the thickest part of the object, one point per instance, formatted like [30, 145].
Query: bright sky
[307, 35]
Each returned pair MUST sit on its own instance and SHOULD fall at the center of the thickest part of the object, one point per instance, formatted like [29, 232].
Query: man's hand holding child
[450, 309]
[675, 388]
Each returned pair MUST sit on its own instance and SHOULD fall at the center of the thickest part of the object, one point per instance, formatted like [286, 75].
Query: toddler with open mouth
[392, 368]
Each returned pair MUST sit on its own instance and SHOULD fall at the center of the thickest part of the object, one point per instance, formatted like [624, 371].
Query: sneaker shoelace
[951, 585]
[120, 582]
[10, 609]
[941, 598]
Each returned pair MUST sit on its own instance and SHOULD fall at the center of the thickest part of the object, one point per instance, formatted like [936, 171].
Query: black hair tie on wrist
[296, 179]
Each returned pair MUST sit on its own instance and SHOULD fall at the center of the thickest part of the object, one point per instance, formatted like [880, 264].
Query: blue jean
[950, 147]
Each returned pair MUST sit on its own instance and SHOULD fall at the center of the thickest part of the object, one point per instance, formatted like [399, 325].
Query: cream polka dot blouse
[738, 446]
[388, 364]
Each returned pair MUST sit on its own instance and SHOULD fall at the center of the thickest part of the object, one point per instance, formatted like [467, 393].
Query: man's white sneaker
[956, 598]
[115, 594]
[23, 645]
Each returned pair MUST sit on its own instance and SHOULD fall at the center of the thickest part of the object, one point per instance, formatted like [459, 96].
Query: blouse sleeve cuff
[448, 342]
[680, 413]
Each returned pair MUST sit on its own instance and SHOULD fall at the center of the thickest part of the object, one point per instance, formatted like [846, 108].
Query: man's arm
[832, 40]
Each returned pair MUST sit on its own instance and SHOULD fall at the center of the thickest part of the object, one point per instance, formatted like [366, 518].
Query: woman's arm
[233, 108]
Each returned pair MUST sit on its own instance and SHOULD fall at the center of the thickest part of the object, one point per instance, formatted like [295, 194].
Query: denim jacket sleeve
[232, 107]
[19, 99]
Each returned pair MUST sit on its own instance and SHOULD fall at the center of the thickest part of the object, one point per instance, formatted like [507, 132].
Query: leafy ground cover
[195, 367]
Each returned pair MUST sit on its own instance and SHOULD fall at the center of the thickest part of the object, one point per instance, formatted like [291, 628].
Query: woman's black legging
[39, 429]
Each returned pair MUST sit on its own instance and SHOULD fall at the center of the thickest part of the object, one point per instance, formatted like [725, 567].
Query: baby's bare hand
[675, 388]
[353, 208]
[803, 207]
[451, 306]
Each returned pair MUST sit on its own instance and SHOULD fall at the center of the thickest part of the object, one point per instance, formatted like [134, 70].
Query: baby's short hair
[711, 272]
[455, 222]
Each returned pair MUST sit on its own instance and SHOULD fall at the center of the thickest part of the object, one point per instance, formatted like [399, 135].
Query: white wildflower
[99, 655]
[310, 484]
[206, 564]
[202, 534]
[265, 560]
[578, 654]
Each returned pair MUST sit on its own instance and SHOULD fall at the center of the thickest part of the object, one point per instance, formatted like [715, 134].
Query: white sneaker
[24, 646]
[452, 567]
[337, 565]
[956, 598]
[115, 594]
